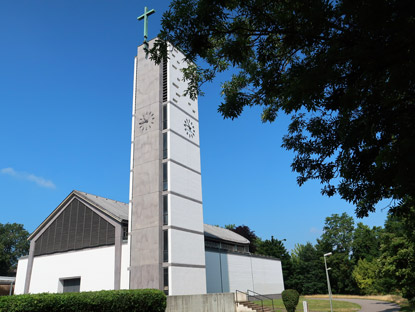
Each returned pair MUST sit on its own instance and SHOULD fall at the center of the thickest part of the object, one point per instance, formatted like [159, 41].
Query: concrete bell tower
[166, 239]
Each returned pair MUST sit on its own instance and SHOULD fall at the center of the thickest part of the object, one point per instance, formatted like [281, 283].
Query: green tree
[337, 238]
[366, 242]
[397, 260]
[275, 248]
[337, 234]
[308, 271]
[344, 70]
[13, 245]
[366, 275]
[246, 232]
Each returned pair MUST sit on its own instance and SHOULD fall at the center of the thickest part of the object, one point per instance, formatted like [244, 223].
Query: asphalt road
[373, 305]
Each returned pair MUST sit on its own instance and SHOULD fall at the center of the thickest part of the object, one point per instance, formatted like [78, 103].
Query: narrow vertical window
[165, 210]
[165, 177]
[165, 246]
[166, 280]
[164, 117]
[164, 145]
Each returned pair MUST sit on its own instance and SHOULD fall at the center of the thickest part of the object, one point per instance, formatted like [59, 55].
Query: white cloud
[28, 177]
[314, 230]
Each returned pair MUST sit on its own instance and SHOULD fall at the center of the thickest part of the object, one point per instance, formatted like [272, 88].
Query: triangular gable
[74, 224]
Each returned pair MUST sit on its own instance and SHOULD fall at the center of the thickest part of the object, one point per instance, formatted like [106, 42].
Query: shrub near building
[142, 300]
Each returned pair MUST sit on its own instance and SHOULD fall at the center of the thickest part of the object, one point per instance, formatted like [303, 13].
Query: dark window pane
[164, 176]
[165, 210]
[71, 285]
[164, 145]
[165, 247]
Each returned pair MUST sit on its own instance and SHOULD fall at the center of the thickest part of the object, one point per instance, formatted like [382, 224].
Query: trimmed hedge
[290, 298]
[140, 300]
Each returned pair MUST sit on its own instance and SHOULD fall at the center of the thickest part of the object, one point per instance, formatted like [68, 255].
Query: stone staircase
[253, 307]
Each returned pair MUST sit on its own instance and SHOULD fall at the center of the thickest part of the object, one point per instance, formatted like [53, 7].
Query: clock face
[189, 128]
[146, 121]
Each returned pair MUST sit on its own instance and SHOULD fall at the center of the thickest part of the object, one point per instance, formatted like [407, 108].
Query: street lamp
[328, 280]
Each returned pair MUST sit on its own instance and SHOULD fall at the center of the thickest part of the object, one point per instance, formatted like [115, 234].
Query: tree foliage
[308, 275]
[13, 245]
[246, 232]
[344, 70]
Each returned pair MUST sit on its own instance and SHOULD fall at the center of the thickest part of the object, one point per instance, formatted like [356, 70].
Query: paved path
[373, 305]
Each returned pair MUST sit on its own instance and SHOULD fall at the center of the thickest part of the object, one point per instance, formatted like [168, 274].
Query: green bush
[290, 298]
[141, 300]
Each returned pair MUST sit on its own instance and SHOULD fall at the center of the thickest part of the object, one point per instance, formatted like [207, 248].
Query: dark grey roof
[113, 208]
[219, 233]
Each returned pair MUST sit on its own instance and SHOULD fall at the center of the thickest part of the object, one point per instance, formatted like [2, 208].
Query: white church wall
[20, 276]
[187, 280]
[228, 272]
[186, 248]
[267, 276]
[181, 151]
[187, 214]
[237, 268]
[185, 182]
[94, 266]
[125, 260]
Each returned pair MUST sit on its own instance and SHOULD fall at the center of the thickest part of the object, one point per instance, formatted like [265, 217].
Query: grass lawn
[317, 305]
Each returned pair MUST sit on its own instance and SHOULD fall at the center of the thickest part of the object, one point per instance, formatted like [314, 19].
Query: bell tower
[166, 239]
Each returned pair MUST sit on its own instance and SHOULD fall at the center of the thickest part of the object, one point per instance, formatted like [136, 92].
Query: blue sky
[66, 78]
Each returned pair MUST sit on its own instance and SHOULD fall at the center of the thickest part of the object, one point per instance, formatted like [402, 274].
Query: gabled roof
[119, 211]
[219, 233]
[113, 208]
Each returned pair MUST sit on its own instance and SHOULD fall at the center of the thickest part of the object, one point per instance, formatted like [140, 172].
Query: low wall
[224, 302]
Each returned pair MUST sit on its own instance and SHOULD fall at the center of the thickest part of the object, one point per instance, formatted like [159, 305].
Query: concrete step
[256, 307]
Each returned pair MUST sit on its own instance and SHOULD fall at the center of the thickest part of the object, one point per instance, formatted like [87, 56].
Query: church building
[158, 239]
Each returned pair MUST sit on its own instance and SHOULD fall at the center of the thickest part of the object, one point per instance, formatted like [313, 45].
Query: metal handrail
[236, 292]
[272, 300]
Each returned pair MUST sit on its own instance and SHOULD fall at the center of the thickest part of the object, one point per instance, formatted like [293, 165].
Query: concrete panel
[185, 213]
[187, 280]
[20, 276]
[181, 151]
[145, 246]
[146, 178]
[177, 123]
[202, 303]
[185, 182]
[145, 242]
[186, 247]
[147, 80]
[94, 266]
[147, 211]
[145, 276]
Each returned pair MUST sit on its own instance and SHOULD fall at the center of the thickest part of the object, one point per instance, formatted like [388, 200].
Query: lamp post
[328, 280]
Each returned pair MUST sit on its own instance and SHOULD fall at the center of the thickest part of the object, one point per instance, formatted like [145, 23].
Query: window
[71, 285]
[165, 210]
[166, 280]
[164, 145]
[125, 232]
[165, 184]
[164, 117]
[165, 246]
